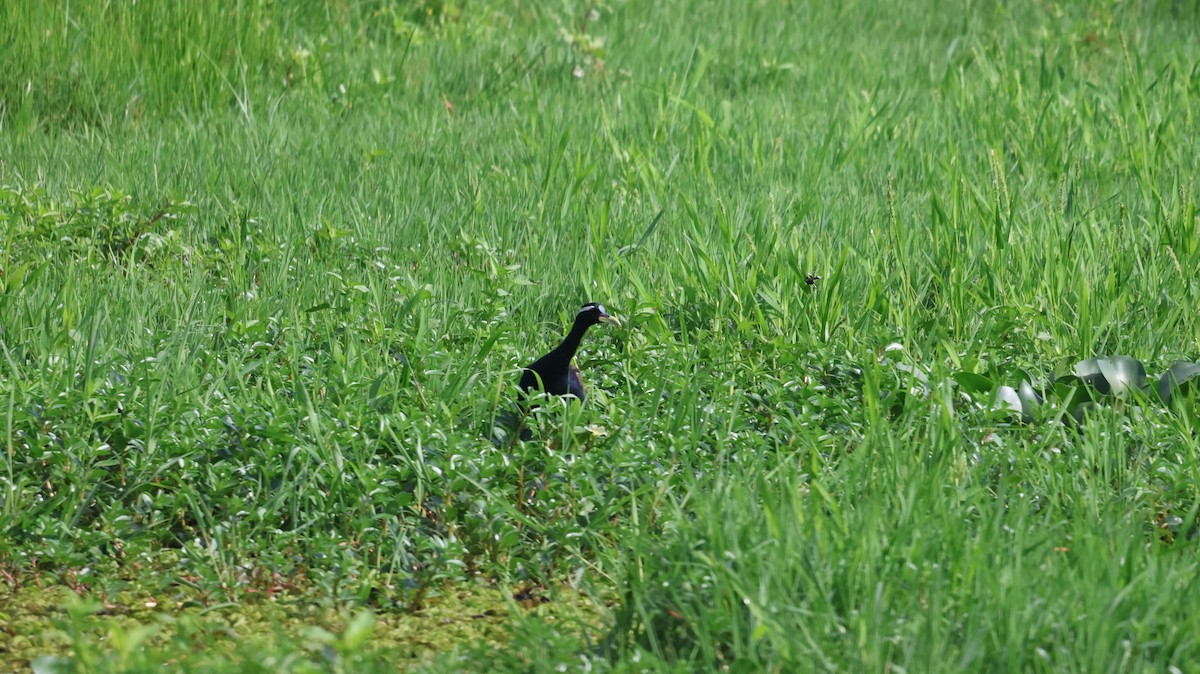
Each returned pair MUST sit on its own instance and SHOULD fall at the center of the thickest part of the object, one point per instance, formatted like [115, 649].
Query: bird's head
[592, 313]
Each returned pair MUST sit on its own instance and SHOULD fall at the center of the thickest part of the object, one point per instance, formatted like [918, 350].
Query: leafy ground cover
[269, 272]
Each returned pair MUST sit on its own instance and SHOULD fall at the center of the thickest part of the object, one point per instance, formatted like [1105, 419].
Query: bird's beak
[611, 320]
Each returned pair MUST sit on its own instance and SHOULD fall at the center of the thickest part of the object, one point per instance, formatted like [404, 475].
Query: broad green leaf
[914, 370]
[1071, 391]
[1007, 400]
[1030, 400]
[1123, 374]
[1116, 375]
[1089, 372]
[1181, 377]
[974, 383]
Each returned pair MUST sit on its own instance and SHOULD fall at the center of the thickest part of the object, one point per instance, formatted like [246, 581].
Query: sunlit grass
[268, 275]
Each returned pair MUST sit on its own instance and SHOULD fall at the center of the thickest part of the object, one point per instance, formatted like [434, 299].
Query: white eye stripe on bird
[588, 307]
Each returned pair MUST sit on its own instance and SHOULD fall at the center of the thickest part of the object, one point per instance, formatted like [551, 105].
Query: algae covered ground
[269, 272]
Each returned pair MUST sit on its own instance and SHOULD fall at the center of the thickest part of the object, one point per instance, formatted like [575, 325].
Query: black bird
[554, 372]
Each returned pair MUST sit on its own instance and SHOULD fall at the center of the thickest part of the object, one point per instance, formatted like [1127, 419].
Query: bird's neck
[570, 344]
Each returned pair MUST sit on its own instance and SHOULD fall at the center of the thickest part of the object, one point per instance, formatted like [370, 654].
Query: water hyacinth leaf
[1179, 379]
[1071, 391]
[1089, 372]
[974, 383]
[1116, 375]
[1123, 374]
[1007, 400]
[915, 371]
[1030, 400]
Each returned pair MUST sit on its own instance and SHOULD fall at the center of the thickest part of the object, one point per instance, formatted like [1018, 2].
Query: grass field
[269, 272]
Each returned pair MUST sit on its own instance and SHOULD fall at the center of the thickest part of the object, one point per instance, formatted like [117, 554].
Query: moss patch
[54, 622]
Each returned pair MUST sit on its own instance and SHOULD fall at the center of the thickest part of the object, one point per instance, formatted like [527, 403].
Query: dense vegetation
[269, 271]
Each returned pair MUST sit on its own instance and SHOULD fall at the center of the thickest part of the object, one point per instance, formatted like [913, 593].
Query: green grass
[269, 271]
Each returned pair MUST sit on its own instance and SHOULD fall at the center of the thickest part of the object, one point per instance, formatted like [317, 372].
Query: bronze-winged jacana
[554, 372]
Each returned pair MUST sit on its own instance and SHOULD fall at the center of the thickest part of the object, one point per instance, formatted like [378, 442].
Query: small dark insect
[812, 279]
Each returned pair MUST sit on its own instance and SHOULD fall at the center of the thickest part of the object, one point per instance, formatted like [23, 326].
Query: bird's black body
[554, 372]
